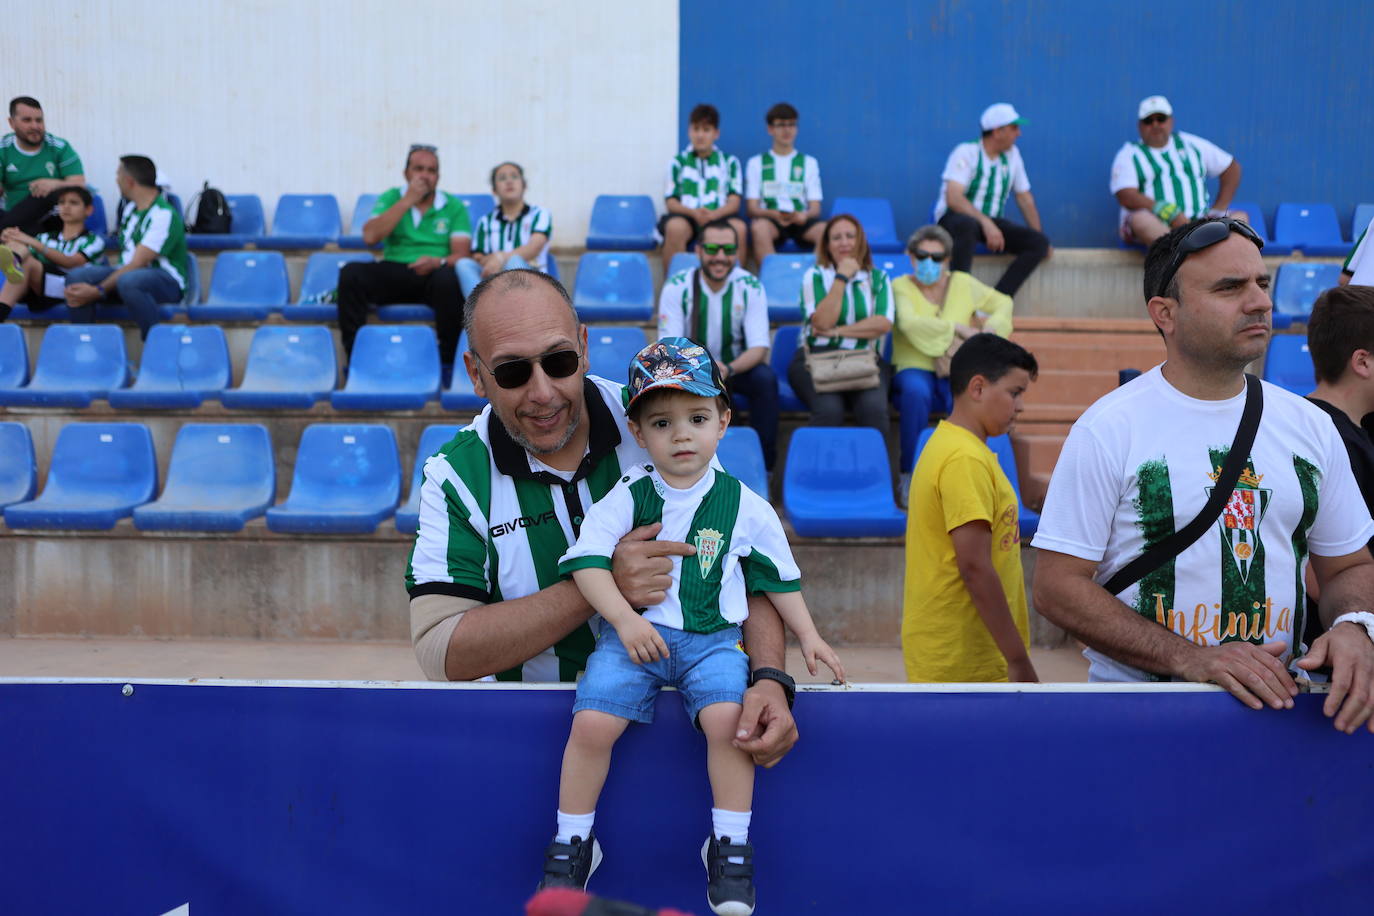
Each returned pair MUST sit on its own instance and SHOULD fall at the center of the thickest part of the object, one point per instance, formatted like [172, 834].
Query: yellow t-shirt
[924, 330]
[957, 480]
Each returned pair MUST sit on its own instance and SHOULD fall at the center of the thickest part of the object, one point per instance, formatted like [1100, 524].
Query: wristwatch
[1362, 618]
[789, 686]
[840, 276]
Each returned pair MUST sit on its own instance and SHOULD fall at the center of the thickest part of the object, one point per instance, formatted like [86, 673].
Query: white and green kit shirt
[1177, 173]
[868, 293]
[160, 228]
[1142, 461]
[1360, 263]
[787, 184]
[88, 244]
[496, 233]
[987, 180]
[741, 547]
[494, 521]
[704, 182]
[729, 322]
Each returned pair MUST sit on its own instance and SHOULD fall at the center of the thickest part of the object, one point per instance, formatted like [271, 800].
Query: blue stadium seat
[614, 286]
[14, 356]
[246, 286]
[838, 483]
[321, 279]
[431, 440]
[181, 366]
[362, 212]
[479, 205]
[287, 367]
[1364, 214]
[622, 222]
[741, 454]
[1310, 228]
[1298, 286]
[894, 265]
[781, 278]
[875, 215]
[609, 351]
[98, 222]
[118, 312]
[99, 473]
[246, 225]
[1289, 365]
[785, 342]
[304, 221]
[220, 476]
[76, 364]
[18, 469]
[405, 311]
[393, 367]
[683, 260]
[1028, 520]
[460, 395]
[1254, 215]
[347, 480]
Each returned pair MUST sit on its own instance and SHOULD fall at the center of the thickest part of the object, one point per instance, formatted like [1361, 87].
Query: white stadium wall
[324, 97]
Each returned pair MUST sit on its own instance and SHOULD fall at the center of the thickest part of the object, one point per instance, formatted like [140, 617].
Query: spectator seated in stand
[37, 277]
[34, 166]
[782, 189]
[513, 235]
[704, 184]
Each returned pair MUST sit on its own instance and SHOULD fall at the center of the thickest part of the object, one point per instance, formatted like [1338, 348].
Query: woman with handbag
[846, 309]
[937, 310]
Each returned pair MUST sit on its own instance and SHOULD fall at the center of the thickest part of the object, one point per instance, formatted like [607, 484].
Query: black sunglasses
[516, 372]
[929, 256]
[1154, 119]
[1204, 235]
[717, 249]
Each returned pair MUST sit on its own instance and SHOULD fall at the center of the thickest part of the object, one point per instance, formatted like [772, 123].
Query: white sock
[732, 824]
[571, 825]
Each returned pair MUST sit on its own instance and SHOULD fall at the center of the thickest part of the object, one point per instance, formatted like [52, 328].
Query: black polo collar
[501, 216]
[603, 436]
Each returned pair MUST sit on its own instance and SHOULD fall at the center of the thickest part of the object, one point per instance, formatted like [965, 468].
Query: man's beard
[533, 449]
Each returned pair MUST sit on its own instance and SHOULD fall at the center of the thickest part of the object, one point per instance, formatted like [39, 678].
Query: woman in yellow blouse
[937, 309]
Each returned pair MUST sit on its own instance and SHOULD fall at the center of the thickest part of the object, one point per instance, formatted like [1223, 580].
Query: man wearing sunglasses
[1161, 181]
[723, 306]
[1140, 463]
[505, 498]
[424, 234]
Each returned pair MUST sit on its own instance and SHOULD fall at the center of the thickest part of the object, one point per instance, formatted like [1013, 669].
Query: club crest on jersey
[1240, 520]
[52, 169]
[708, 543]
[441, 226]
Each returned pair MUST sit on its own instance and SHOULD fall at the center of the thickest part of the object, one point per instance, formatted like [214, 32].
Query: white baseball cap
[1000, 115]
[1155, 104]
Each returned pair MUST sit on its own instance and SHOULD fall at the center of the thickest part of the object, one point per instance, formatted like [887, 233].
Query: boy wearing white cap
[979, 176]
[1161, 181]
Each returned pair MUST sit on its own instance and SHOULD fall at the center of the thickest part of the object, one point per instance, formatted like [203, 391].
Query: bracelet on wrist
[840, 276]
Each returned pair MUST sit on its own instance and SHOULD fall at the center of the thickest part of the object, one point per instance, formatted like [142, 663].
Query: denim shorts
[706, 668]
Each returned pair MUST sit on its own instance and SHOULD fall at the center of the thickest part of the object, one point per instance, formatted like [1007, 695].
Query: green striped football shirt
[869, 293]
[1177, 173]
[987, 180]
[496, 233]
[704, 182]
[728, 322]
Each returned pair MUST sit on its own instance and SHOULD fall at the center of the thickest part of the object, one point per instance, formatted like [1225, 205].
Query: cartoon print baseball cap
[1000, 115]
[1155, 104]
[678, 363]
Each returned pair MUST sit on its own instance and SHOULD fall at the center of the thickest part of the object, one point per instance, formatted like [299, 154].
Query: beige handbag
[842, 370]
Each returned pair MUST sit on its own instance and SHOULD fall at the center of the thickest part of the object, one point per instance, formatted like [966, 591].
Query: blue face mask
[927, 271]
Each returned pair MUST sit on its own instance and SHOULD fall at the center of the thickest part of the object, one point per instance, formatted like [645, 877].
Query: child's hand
[820, 649]
[642, 642]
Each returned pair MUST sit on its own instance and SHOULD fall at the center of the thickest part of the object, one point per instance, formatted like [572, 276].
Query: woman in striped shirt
[846, 304]
[514, 235]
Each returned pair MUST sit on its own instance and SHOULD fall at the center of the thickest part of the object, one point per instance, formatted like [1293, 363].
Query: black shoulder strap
[1180, 540]
[693, 315]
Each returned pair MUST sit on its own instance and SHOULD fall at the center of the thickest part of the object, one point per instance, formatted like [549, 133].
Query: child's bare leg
[731, 769]
[33, 275]
[587, 759]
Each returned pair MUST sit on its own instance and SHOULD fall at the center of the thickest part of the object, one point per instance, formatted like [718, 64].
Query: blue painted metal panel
[886, 88]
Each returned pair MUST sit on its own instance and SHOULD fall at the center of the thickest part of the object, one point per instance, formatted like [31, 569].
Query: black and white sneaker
[729, 886]
[570, 864]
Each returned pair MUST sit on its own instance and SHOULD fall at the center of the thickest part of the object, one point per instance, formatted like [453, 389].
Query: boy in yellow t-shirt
[964, 615]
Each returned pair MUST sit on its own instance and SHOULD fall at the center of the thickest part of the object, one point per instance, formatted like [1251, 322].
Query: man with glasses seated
[1161, 182]
[424, 234]
[723, 307]
[1142, 462]
[504, 499]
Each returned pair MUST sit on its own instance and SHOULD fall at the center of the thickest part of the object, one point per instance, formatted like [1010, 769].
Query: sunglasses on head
[720, 248]
[423, 148]
[1154, 119]
[516, 372]
[936, 256]
[1204, 235]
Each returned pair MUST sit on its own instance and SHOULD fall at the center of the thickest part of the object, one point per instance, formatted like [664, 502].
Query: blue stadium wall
[886, 88]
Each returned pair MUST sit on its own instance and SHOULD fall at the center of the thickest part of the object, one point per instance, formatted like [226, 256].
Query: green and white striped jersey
[741, 547]
[494, 522]
[1142, 462]
[160, 228]
[709, 182]
[987, 180]
[783, 183]
[869, 293]
[1177, 173]
[1360, 263]
[495, 233]
[88, 244]
[728, 322]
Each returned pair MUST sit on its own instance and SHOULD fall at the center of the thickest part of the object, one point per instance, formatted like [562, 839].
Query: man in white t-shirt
[1140, 463]
[1161, 182]
[782, 188]
[978, 178]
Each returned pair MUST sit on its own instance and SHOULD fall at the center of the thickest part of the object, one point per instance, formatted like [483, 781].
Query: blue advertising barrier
[300, 798]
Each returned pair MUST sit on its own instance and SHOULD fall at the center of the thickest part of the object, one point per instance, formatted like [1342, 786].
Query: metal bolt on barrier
[127, 690]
